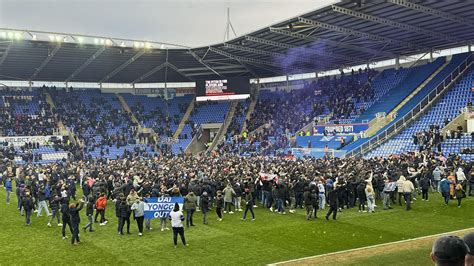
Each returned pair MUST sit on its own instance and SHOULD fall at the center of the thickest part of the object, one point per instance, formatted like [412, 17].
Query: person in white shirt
[177, 218]
[460, 176]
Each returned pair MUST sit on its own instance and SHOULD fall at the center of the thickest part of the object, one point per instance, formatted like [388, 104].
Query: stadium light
[148, 45]
[17, 35]
[3, 34]
[102, 41]
[108, 42]
[51, 37]
[96, 41]
[122, 44]
[58, 38]
[34, 38]
[80, 39]
[10, 35]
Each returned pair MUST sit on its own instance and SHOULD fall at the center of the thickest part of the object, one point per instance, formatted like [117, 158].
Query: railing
[401, 123]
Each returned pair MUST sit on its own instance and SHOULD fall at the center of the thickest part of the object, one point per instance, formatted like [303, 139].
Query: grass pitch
[271, 238]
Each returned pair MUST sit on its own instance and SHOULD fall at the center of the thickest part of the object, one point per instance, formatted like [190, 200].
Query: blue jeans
[266, 198]
[280, 206]
[322, 201]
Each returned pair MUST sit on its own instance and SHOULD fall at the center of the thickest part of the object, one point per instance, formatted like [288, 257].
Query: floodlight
[10, 35]
[80, 39]
[148, 45]
[3, 34]
[136, 44]
[34, 37]
[17, 35]
[51, 37]
[96, 41]
[58, 38]
[108, 42]
[122, 44]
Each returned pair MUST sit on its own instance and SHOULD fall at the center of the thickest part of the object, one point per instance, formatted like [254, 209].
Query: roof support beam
[433, 12]
[193, 54]
[252, 60]
[395, 24]
[272, 54]
[269, 69]
[331, 42]
[179, 72]
[149, 73]
[366, 35]
[5, 54]
[46, 61]
[122, 66]
[85, 64]
[288, 46]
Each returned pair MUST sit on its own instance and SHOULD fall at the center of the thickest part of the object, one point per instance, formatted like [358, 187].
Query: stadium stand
[447, 108]
[409, 105]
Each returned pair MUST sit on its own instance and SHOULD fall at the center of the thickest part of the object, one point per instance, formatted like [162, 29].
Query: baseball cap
[449, 249]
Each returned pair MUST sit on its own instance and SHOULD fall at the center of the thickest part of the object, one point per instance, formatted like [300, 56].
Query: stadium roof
[341, 35]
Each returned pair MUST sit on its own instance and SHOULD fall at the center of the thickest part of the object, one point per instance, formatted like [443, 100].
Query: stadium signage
[161, 207]
[22, 140]
[341, 128]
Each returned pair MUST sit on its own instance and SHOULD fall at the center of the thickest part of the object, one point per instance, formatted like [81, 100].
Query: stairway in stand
[184, 120]
[223, 130]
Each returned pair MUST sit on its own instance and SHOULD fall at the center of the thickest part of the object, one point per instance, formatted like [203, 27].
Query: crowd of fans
[293, 110]
[97, 122]
[25, 115]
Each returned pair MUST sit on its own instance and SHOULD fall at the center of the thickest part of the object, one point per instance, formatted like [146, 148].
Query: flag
[268, 177]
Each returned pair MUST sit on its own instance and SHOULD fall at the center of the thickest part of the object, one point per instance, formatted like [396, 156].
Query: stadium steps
[127, 109]
[184, 120]
[223, 129]
[376, 126]
[49, 100]
[364, 146]
[251, 108]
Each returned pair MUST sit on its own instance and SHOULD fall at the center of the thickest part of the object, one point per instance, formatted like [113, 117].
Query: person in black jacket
[204, 206]
[89, 213]
[424, 185]
[74, 210]
[219, 205]
[248, 204]
[66, 219]
[333, 202]
[124, 215]
[27, 205]
[361, 195]
[54, 204]
[308, 202]
[315, 201]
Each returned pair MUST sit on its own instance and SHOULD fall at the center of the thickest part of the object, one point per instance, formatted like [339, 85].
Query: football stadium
[312, 133]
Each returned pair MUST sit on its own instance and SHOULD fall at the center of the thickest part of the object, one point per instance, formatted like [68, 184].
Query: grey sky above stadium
[186, 22]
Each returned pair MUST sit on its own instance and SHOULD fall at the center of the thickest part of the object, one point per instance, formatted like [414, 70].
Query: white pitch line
[369, 247]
